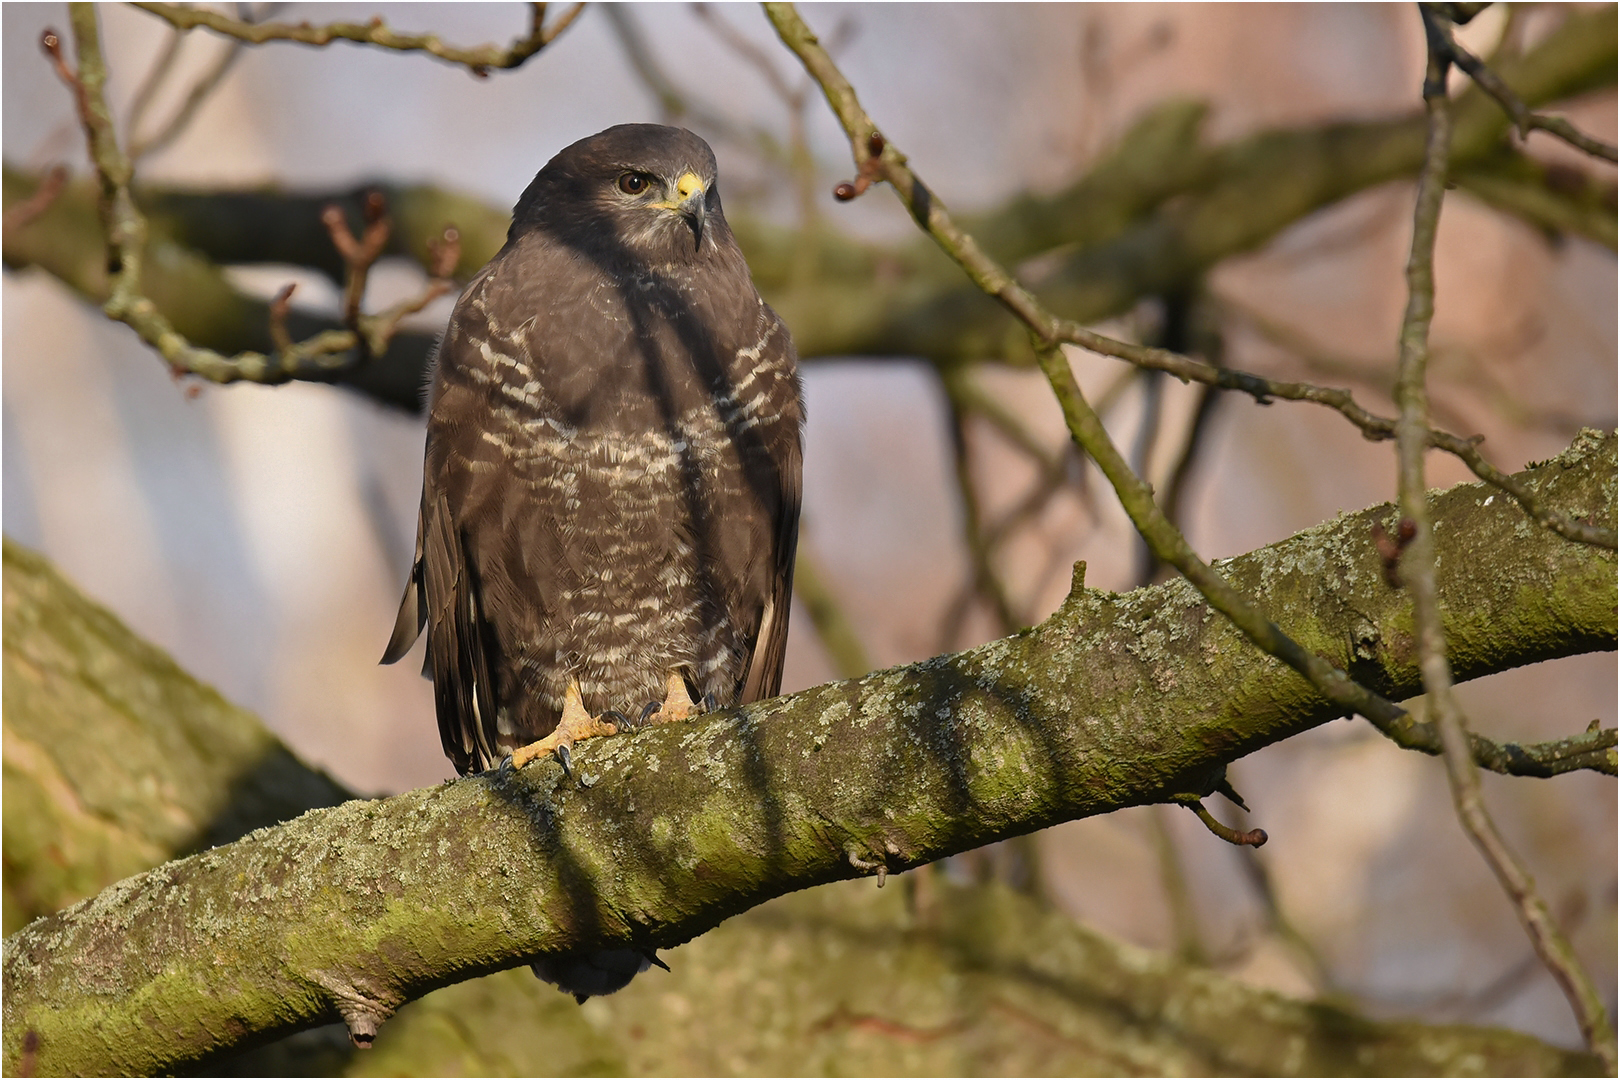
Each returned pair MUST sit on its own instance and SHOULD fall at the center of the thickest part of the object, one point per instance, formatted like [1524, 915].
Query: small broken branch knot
[1249, 838]
[1390, 547]
[870, 170]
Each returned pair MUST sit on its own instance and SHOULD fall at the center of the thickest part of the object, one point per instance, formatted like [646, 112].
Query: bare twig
[1372, 426]
[1241, 838]
[444, 251]
[31, 208]
[125, 231]
[875, 160]
[676, 104]
[199, 92]
[146, 93]
[1524, 119]
[1418, 566]
[1177, 894]
[278, 317]
[834, 628]
[358, 254]
[986, 581]
[479, 59]
[875, 155]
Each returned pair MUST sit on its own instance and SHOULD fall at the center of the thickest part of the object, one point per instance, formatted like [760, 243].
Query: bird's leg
[678, 704]
[574, 725]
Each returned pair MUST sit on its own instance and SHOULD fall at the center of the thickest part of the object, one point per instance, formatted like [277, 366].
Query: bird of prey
[610, 498]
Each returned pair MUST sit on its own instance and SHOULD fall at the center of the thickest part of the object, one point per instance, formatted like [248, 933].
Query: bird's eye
[633, 183]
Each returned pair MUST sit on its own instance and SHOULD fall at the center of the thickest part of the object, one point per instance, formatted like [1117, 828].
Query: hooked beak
[690, 201]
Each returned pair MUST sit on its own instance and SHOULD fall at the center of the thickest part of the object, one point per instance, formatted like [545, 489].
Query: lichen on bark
[1115, 700]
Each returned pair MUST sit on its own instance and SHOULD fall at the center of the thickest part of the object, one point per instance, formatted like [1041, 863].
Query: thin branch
[874, 155]
[986, 581]
[479, 59]
[156, 75]
[1251, 838]
[200, 90]
[1372, 426]
[876, 159]
[676, 104]
[125, 229]
[833, 626]
[444, 251]
[1177, 895]
[1418, 568]
[358, 254]
[29, 209]
[1524, 119]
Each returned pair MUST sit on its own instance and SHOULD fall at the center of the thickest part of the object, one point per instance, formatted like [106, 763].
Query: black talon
[565, 756]
[651, 709]
[652, 958]
[505, 766]
[620, 721]
[710, 702]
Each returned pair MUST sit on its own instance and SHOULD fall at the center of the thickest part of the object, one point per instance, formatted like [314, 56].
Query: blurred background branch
[1153, 214]
[1260, 204]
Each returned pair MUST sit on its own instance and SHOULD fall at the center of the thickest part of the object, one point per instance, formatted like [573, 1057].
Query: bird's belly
[631, 569]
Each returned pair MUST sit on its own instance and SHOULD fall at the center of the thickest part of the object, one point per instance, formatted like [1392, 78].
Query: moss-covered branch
[921, 978]
[1555, 198]
[1115, 700]
[116, 760]
[786, 983]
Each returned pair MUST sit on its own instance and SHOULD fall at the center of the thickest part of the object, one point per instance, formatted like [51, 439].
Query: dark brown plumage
[611, 489]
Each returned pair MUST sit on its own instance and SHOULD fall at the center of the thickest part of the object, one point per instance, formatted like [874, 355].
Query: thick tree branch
[1113, 701]
[1556, 198]
[115, 759]
[193, 765]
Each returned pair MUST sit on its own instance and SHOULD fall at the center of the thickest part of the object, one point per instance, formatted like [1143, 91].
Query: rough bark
[1115, 700]
[921, 978]
[1155, 214]
[115, 759]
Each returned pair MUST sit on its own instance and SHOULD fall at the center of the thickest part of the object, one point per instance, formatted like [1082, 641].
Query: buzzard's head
[640, 193]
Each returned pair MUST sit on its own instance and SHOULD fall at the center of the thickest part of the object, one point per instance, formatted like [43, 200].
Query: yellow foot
[574, 725]
[678, 704]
